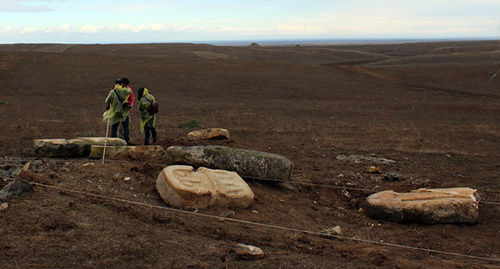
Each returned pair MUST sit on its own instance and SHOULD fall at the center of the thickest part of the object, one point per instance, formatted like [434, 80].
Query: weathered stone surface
[61, 148]
[15, 189]
[248, 251]
[452, 205]
[230, 189]
[71, 148]
[247, 163]
[97, 151]
[110, 141]
[213, 133]
[182, 186]
[361, 159]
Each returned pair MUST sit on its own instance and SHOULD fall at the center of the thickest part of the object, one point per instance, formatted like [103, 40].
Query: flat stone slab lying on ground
[360, 159]
[247, 163]
[205, 134]
[97, 151]
[182, 186]
[101, 141]
[451, 205]
[71, 148]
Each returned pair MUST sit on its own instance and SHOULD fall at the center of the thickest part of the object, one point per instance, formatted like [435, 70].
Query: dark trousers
[147, 132]
[126, 131]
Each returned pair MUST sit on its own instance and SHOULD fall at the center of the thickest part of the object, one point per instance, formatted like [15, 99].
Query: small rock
[392, 177]
[227, 214]
[373, 170]
[15, 189]
[3, 206]
[26, 166]
[248, 251]
[333, 231]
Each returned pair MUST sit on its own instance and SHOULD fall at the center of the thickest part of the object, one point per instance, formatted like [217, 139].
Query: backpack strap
[118, 96]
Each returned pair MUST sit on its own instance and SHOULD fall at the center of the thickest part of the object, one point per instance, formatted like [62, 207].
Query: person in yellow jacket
[148, 121]
[119, 110]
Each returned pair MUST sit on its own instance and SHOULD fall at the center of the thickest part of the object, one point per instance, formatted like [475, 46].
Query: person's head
[141, 92]
[124, 82]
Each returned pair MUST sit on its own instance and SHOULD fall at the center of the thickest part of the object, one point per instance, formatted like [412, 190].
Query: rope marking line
[323, 185]
[269, 225]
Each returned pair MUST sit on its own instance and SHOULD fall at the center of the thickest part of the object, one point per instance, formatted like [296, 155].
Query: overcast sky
[132, 21]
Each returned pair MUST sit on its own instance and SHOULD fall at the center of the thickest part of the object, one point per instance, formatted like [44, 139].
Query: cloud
[93, 29]
[26, 6]
[27, 30]
[89, 29]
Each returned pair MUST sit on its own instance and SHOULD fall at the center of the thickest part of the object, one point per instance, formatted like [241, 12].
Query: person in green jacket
[117, 111]
[147, 120]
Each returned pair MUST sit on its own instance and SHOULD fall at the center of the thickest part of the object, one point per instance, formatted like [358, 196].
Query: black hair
[125, 81]
[140, 92]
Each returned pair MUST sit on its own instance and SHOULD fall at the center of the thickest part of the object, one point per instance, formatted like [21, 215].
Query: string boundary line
[268, 225]
[326, 186]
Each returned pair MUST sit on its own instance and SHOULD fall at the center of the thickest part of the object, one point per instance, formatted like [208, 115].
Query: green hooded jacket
[116, 113]
[147, 120]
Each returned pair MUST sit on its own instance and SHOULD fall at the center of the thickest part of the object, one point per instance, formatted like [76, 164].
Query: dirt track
[433, 108]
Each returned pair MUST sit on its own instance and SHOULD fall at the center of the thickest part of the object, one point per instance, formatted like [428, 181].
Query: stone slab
[447, 205]
[110, 141]
[247, 163]
[182, 186]
[205, 134]
[61, 148]
[71, 148]
[97, 151]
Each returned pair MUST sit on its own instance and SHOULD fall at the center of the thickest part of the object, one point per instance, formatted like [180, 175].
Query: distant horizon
[283, 42]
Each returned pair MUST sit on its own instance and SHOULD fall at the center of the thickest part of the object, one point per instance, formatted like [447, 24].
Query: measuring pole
[105, 142]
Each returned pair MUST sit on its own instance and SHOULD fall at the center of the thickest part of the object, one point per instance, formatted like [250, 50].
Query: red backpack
[153, 108]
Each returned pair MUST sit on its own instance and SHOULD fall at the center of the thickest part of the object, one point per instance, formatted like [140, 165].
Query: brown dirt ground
[432, 107]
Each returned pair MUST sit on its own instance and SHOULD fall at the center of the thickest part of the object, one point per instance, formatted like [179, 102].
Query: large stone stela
[182, 186]
[448, 205]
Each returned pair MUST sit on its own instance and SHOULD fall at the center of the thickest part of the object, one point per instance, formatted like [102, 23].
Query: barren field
[433, 108]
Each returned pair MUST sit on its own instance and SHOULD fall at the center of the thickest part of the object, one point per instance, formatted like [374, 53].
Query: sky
[159, 21]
